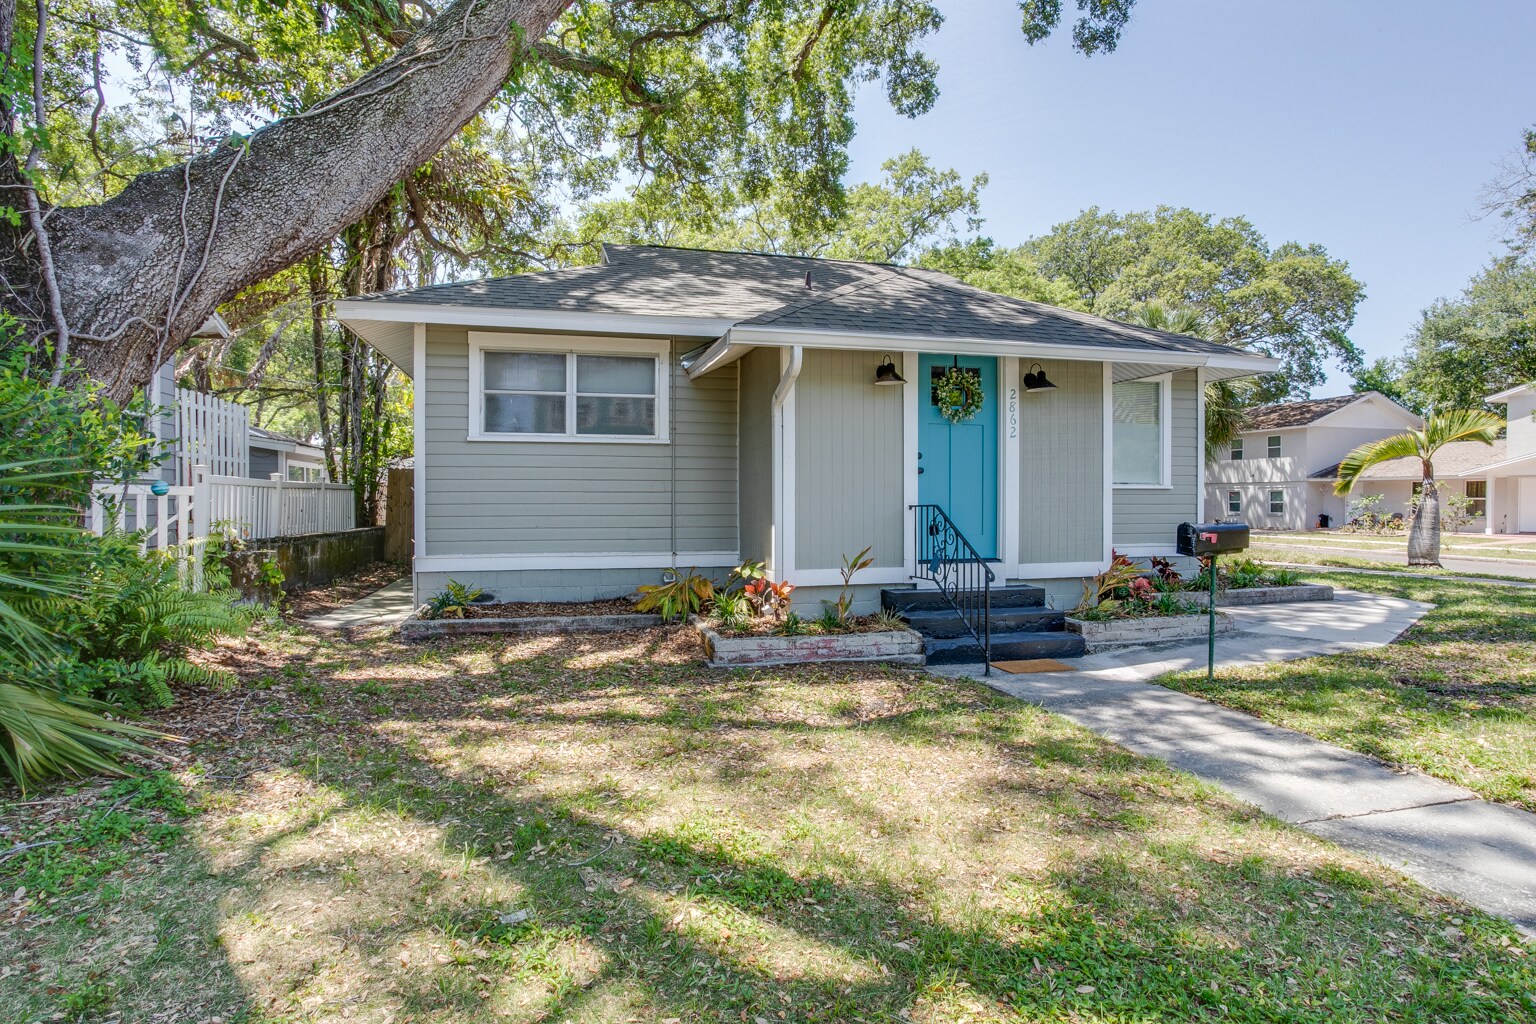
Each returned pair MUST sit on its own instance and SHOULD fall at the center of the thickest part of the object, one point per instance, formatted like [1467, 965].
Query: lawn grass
[1455, 697]
[598, 828]
[1451, 544]
[1288, 555]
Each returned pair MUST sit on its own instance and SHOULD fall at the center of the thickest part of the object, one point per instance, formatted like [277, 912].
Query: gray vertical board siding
[1061, 472]
[516, 497]
[1153, 515]
[553, 584]
[759, 375]
[848, 461]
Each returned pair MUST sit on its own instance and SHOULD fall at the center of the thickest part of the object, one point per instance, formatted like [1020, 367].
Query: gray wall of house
[1061, 473]
[554, 584]
[264, 462]
[848, 461]
[1152, 515]
[516, 497]
[759, 374]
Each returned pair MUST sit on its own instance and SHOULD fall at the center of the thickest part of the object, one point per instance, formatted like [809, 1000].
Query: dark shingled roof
[1296, 414]
[764, 290]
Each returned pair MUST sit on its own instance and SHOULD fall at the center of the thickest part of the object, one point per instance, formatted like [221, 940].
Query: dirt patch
[305, 602]
[550, 609]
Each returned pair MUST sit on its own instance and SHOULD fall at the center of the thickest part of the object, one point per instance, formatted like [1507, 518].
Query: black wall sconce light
[887, 374]
[1035, 380]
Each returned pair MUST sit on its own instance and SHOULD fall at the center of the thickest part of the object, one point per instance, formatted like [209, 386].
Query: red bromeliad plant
[768, 597]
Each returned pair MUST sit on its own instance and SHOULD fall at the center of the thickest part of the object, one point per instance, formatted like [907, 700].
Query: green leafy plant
[453, 600]
[732, 610]
[887, 619]
[791, 626]
[768, 597]
[1116, 577]
[851, 567]
[958, 394]
[685, 595]
[1284, 577]
[270, 575]
[1245, 573]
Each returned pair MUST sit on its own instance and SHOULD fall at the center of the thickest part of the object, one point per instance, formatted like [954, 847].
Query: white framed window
[1142, 432]
[1277, 503]
[1273, 442]
[547, 388]
[1237, 450]
[1235, 503]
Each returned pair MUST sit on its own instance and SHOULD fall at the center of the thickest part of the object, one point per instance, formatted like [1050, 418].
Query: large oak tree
[665, 90]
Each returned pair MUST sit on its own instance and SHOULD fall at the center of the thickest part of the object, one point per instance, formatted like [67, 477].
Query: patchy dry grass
[596, 828]
[1455, 697]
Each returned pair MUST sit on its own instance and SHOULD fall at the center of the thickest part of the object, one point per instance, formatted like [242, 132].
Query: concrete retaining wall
[1111, 634]
[306, 560]
[896, 647]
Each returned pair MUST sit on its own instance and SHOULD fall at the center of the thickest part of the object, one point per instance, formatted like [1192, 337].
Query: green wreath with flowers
[958, 394]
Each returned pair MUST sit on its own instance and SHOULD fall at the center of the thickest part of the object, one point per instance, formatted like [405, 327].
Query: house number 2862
[1013, 412]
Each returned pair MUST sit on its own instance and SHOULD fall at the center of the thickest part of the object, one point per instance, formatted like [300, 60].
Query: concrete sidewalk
[1440, 834]
[382, 607]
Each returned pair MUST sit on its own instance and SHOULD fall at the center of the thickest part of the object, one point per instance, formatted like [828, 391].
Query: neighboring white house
[1278, 474]
[1511, 480]
[580, 431]
[290, 458]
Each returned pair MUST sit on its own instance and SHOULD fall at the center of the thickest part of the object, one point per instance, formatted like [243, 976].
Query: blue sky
[1370, 126]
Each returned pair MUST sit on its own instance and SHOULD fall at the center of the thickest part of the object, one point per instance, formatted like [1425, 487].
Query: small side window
[1277, 503]
[1274, 446]
[1237, 450]
[1235, 502]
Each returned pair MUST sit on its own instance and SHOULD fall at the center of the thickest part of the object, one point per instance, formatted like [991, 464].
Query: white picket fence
[181, 520]
[210, 432]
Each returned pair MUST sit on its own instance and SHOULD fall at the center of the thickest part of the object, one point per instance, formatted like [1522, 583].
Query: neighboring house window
[1235, 502]
[1237, 450]
[1477, 490]
[573, 395]
[303, 474]
[1274, 446]
[1141, 433]
[1277, 503]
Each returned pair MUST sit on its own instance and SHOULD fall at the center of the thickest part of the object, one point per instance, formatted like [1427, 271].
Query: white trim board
[418, 455]
[1055, 570]
[585, 560]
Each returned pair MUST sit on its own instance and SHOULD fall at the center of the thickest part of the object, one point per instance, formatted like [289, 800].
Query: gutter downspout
[787, 379]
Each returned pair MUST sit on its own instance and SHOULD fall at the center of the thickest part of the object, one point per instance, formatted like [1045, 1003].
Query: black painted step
[1005, 647]
[1016, 595]
[944, 622]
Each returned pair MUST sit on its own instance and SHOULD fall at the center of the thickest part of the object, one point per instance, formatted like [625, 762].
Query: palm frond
[1398, 446]
[1442, 428]
[42, 735]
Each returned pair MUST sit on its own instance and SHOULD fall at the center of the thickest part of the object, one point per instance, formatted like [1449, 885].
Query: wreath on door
[958, 394]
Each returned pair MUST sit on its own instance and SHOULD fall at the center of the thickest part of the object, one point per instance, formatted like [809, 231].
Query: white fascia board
[1508, 393]
[723, 352]
[1376, 399]
[581, 321]
[750, 335]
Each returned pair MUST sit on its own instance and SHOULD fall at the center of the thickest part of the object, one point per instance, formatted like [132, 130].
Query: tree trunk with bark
[139, 273]
[1424, 528]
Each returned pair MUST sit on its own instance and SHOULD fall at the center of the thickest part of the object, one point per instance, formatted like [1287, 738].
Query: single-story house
[581, 431]
[291, 458]
[1278, 473]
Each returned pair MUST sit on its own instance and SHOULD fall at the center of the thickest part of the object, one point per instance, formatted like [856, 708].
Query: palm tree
[1226, 401]
[1440, 429]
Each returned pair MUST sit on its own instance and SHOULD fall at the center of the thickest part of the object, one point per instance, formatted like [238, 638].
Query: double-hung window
[1277, 503]
[1274, 446]
[1237, 449]
[1141, 433]
[597, 390]
[1234, 503]
[1477, 490]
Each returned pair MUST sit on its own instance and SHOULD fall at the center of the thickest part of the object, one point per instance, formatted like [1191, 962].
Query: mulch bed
[308, 601]
[550, 609]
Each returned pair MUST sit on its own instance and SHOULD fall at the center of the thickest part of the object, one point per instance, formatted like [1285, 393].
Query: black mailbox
[1201, 539]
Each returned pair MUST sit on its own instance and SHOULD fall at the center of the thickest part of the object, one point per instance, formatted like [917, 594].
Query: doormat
[1033, 665]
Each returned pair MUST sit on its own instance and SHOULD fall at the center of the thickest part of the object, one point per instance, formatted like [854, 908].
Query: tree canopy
[1292, 301]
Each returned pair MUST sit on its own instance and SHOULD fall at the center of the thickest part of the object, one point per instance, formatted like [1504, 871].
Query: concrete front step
[1013, 596]
[943, 623]
[1005, 647]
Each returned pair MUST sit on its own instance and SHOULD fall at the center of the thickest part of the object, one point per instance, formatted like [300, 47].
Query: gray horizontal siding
[490, 497]
[1061, 478]
[759, 375]
[1152, 515]
[848, 462]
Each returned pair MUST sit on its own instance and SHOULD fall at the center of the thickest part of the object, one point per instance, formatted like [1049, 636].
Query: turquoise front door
[957, 462]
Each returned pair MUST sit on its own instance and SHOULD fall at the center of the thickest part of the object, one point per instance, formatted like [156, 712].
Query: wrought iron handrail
[944, 557]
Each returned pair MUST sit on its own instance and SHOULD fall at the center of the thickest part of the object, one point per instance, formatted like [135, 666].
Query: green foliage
[1386, 377]
[1440, 429]
[685, 595]
[1116, 577]
[887, 619]
[1244, 574]
[732, 609]
[453, 600]
[791, 626]
[850, 568]
[1481, 342]
[1284, 577]
[270, 575]
[1292, 301]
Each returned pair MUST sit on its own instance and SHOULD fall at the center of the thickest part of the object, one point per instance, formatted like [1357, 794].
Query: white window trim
[481, 342]
[1164, 384]
[1237, 451]
[1283, 502]
[1235, 511]
[1276, 450]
